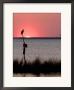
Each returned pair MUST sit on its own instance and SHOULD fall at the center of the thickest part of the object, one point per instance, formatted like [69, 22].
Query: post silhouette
[24, 46]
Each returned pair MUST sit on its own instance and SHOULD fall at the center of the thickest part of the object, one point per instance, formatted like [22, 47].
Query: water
[42, 48]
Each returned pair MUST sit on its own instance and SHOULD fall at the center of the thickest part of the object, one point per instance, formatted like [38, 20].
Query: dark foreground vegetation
[36, 67]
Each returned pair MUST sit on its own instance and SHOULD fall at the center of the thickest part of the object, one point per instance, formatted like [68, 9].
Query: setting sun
[27, 36]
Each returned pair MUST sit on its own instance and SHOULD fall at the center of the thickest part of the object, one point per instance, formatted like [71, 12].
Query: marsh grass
[37, 67]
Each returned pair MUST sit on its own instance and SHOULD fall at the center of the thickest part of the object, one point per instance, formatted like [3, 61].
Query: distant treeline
[36, 67]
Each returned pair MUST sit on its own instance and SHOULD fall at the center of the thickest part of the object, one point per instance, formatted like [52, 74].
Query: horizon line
[37, 37]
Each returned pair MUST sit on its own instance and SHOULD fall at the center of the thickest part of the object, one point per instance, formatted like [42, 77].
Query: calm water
[42, 48]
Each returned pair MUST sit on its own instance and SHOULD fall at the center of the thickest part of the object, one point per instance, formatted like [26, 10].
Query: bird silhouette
[22, 31]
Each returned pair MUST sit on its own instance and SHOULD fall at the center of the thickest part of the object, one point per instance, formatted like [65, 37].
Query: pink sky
[37, 24]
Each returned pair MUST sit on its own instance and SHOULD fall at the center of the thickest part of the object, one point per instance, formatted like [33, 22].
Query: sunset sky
[37, 24]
